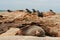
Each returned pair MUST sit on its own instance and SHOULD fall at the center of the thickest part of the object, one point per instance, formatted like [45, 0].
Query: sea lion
[34, 10]
[28, 11]
[34, 31]
[40, 14]
[9, 11]
[52, 11]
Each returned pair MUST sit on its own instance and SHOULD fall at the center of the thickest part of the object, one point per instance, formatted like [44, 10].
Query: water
[2, 10]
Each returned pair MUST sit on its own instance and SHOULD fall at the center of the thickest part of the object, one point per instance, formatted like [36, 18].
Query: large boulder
[51, 25]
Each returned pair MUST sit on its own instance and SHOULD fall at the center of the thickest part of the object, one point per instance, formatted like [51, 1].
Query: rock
[28, 38]
[51, 25]
[16, 20]
[11, 32]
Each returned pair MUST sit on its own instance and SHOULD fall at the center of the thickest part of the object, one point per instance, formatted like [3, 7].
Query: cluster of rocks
[34, 23]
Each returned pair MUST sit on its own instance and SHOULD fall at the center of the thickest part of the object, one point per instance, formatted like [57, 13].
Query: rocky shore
[29, 23]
